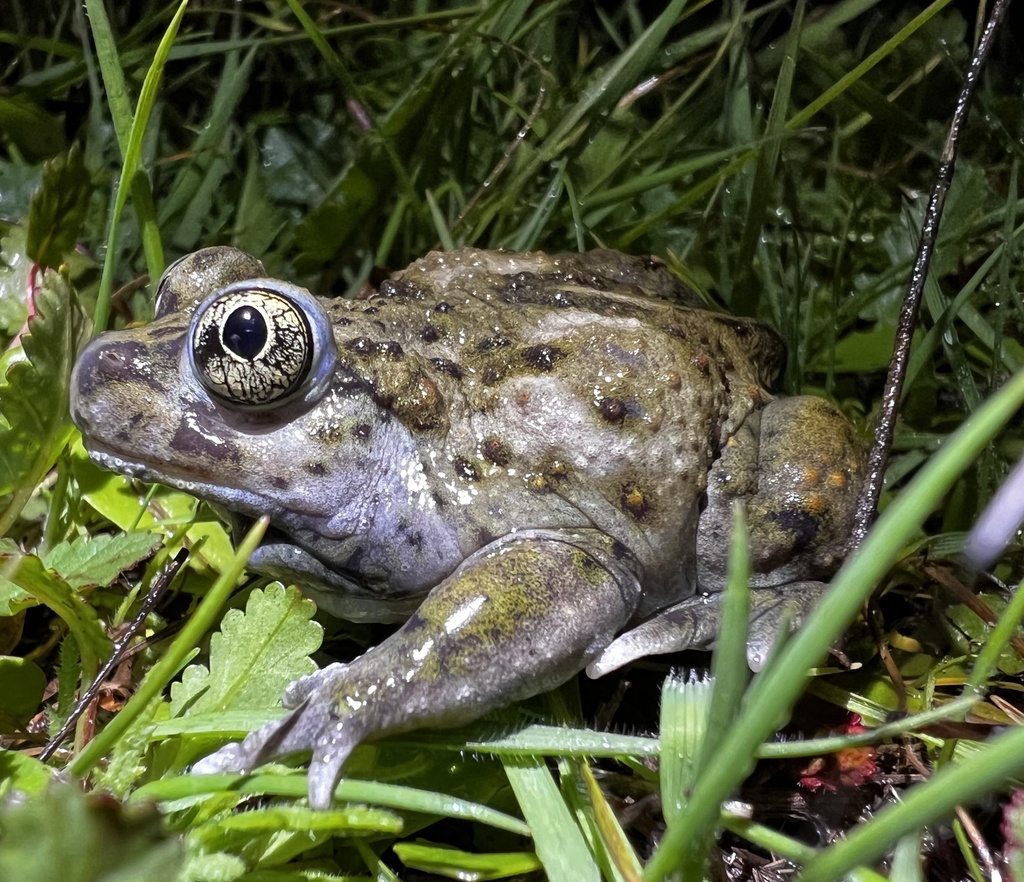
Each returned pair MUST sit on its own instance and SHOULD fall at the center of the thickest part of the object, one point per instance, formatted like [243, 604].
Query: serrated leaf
[254, 656]
[58, 208]
[34, 421]
[90, 562]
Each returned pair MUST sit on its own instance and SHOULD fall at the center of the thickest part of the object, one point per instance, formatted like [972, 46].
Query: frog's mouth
[220, 493]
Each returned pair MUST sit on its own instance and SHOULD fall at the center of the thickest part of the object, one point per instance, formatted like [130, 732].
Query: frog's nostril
[111, 358]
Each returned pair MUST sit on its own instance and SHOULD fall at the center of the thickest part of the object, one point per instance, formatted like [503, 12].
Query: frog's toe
[299, 691]
[309, 727]
[691, 624]
[772, 610]
[694, 624]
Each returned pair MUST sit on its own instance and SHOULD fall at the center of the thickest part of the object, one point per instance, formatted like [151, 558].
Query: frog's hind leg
[517, 618]
[797, 467]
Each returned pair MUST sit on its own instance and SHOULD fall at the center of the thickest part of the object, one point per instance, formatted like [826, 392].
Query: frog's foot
[797, 467]
[313, 725]
[517, 618]
[696, 622]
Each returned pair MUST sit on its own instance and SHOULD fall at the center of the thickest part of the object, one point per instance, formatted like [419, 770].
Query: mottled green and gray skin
[522, 455]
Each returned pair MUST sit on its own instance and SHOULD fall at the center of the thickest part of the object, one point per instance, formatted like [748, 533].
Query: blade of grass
[744, 298]
[295, 786]
[560, 845]
[601, 94]
[179, 202]
[774, 692]
[799, 119]
[124, 127]
[613, 838]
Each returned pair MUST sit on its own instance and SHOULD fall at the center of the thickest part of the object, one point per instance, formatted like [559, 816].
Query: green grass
[777, 156]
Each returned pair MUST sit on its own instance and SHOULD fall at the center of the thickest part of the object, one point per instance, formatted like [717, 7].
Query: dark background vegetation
[538, 126]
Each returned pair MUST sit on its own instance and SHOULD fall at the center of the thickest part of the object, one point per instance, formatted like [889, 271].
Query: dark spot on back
[495, 341]
[542, 357]
[361, 432]
[430, 334]
[371, 310]
[620, 551]
[491, 375]
[360, 345]
[801, 525]
[612, 409]
[317, 469]
[494, 451]
[634, 502]
[443, 307]
[279, 482]
[447, 367]
[465, 469]
[391, 349]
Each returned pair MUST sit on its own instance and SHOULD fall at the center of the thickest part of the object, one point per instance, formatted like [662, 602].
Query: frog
[527, 462]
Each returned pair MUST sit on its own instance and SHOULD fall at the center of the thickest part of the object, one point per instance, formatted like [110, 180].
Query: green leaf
[21, 687]
[560, 844]
[685, 706]
[38, 133]
[254, 656]
[13, 278]
[58, 208]
[28, 573]
[34, 421]
[19, 771]
[454, 863]
[86, 563]
[64, 835]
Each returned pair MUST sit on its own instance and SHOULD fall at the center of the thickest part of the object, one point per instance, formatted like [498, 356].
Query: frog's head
[234, 392]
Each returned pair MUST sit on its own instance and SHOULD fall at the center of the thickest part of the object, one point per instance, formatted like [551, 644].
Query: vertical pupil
[245, 332]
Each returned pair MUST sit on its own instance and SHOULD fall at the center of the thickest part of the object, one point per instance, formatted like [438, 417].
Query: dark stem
[867, 505]
[120, 646]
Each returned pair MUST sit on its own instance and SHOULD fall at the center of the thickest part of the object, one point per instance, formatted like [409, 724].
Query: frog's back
[548, 391]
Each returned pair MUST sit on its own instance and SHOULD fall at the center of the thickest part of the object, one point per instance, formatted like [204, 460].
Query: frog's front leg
[518, 617]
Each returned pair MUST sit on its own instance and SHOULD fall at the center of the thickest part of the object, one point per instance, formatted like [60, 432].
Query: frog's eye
[252, 347]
